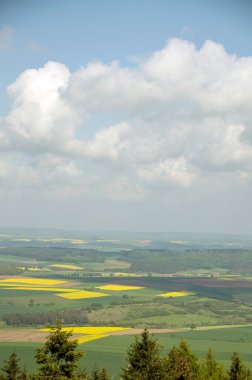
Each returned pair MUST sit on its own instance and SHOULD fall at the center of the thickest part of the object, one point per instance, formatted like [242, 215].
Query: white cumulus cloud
[179, 117]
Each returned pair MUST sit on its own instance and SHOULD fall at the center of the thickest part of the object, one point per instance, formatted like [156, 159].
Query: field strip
[115, 287]
[176, 294]
[32, 281]
[86, 334]
[42, 289]
[202, 328]
[34, 336]
[151, 331]
[81, 294]
[66, 266]
[15, 285]
[81, 334]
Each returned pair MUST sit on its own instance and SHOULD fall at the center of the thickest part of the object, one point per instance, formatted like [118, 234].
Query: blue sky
[76, 32]
[135, 104]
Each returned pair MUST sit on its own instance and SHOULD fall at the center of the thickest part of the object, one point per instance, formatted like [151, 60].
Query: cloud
[40, 120]
[177, 119]
[123, 189]
[170, 170]
[107, 143]
[6, 37]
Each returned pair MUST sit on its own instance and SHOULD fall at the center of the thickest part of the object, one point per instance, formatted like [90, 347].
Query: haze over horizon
[126, 116]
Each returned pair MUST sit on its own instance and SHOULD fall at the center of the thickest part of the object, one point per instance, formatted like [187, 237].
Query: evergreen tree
[23, 375]
[211, 369]
[238, 370]
[95, 374]
[81, 374]
[99, 375]
[210, 365]
[172, 363]
[181, 363]
[11, 367]
[144, 362]
[104, 374]
[59, 356]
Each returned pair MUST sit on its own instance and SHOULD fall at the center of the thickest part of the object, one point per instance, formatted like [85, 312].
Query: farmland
[110, 351]
[98, 294]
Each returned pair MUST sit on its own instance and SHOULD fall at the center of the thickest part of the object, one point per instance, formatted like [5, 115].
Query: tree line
[236, 261]
[70, 317]
[59, 254]
[58, 360]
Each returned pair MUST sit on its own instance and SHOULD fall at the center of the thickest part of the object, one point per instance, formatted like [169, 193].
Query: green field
[110, 352]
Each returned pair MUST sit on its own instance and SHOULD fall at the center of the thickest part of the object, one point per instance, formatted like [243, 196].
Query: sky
[126, 115]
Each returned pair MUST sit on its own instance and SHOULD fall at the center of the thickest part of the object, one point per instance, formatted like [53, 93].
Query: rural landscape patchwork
[106, 291]
[125, 190]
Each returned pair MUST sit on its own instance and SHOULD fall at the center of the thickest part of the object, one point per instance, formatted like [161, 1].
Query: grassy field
[111, 351]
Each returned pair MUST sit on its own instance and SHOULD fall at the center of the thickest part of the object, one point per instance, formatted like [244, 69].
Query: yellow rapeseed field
[118, 287]
[88, 338]
[93, 330]
[65, 266]
[81, 294]
[9, 284]
[32, 281]
[41, 288]
[90, 333]
[41, 284]
[176, 294]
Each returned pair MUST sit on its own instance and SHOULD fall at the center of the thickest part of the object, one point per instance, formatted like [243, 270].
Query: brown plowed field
[37, 336]
[22, 336]
[218, 283]
[179, 283]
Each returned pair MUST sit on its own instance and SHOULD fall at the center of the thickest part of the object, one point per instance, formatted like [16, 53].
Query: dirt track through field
[36, 336]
